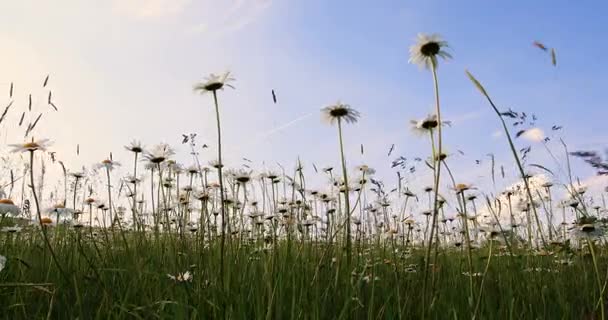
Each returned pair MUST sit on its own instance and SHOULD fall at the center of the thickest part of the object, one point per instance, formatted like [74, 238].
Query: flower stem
[42, 226]
[437, 170]
[220, 178]
[597, 275]
[346, 195]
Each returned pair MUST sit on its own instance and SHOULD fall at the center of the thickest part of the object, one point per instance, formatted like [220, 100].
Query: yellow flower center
[6, 201]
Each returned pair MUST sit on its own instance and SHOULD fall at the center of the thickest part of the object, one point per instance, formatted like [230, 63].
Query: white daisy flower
[339, 111]
[8, 207]
[427, 48]
[214, 82]
[159, 153]
[181, 277]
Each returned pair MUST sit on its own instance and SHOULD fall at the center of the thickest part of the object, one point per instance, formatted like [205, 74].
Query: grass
[287, 280]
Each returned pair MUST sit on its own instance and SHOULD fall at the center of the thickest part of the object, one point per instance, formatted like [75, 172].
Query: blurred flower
[13, 229]
[181, 277]
[8, 207]
[108, 164]
[214, 82]
[135, 146]
[339, 111]
[31, 146]
[159, 153]
[427, 48]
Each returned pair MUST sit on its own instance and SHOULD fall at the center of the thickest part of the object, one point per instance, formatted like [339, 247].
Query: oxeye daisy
[8, 207]
[13, 229]
[462, 187]
[77, 174]
[135, 147]
[108, 164]
[339, 112]
[60, 210]
[214, 82]
[242, 176]
[365, 169]
[46, 221]
[426, 124]
[427, 48]
[181, 277]
[159, 153]
[32, 146]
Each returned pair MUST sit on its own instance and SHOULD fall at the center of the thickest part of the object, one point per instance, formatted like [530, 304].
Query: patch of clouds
[231, 18]
[150, 8]
[497, 134]
[534, 135]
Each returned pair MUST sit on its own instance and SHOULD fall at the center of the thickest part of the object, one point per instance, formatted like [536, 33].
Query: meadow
[204, 241]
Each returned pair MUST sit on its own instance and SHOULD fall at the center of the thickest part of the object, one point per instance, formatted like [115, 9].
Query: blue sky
[122, 70]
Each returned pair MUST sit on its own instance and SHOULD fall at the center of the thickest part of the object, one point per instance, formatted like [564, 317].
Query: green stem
[219, 174]
[437, 170]
[346, 194]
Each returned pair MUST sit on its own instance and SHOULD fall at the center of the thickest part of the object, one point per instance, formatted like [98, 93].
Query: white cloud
[534, 135]
[465, 117]
[228, 19]
[150, 8]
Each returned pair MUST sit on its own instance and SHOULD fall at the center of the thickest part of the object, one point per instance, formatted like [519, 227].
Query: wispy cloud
[534, 135]
[465, 117]
[150, 8]
[230, 19]
[497, 134]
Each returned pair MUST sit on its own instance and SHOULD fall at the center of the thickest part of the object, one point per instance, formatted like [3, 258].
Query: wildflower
[564, 262]
[242, 176]
[365, 169]
[216, 164]
[338, 112]
[135, 147]
[8, 207]
[426, 50]
[193, 169]
[408, 193]
[77, 174]
[474, 274]
[108, 164]
[61, 210]
[214, 82]
[547, 184]
[427, 124]
[159, 153]
[461, 187]
[327, 169]
[13, 229]
[41, 145]
[181, 277]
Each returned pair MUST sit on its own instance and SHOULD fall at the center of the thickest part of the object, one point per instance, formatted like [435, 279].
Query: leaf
[553, 57]
[519, 133]
[477, 84]
[5, 111]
